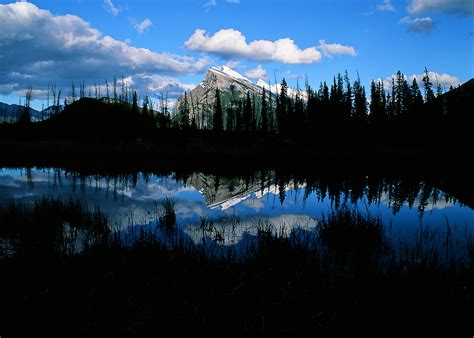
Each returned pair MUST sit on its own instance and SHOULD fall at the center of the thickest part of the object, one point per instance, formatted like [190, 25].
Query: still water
[236, 206]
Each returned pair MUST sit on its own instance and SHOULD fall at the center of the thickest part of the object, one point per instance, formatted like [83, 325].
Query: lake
[225, 210]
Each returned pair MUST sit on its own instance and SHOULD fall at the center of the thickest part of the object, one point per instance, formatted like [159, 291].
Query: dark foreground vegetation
[344, 274]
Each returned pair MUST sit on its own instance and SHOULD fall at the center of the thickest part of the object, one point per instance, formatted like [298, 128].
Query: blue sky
[167, 46]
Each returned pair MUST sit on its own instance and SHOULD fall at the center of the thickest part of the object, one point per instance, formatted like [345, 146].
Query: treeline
[340, 106]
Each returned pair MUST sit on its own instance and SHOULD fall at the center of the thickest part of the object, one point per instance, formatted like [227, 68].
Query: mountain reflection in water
[404, 204]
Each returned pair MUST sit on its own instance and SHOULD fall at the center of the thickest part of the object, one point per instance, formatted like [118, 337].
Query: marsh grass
[470, 247]
[166, 212]
[52, 225]
[352, 240]
[147, 278]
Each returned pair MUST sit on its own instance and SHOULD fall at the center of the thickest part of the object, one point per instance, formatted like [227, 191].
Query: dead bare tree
[56, 108]
[107, 90]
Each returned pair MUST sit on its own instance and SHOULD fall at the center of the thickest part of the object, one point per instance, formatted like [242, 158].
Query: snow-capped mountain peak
[234, 75]
[263, 84]
[229, 72]
[232, 86]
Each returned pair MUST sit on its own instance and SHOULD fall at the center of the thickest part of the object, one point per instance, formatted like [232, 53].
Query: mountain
[47, 112]
[10, 112]
[231, 84]
[233, 87]
[223, 193]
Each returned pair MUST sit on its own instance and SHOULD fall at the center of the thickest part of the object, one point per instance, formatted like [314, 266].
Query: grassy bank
[349, 277]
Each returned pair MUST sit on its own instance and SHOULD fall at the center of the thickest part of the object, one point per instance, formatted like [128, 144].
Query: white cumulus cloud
[444, 79]
[209, 4]
[465, 7]
[111, 8]
[418, 25]
[257, 73]
[330, 49]
[386, 6]
[143, 25]
[37, 48]
[230, 43]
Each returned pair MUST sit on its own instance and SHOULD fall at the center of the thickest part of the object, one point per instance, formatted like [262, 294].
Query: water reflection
[225, 209]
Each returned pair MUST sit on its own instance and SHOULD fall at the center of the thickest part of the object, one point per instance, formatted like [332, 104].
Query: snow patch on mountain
[275, 89]
[229, 72]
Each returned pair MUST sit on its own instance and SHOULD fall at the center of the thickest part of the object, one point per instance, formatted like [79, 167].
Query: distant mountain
[47, 112]
[10, 112]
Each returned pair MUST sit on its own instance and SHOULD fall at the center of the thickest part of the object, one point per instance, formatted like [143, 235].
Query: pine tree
[360, 102]
[183, 116]
[299, 122]
[416, 97]
[340, 89]
[384, 99]
[264, 113]
[25, 114]
[390, 107]
[238, 117]
[325, 94]
[145, 106]
[338, 113]
[429, 94]
[281, 108]
[405, 94]
[400, 94]
[253, 119]
[247, 114]
[134, 103]
[270, 113]
[377, 102]
[374, 101]
[325, 105]
[439, 90]
[311, 107]
[195, 123]
[348, 96]
[391, 102]
[230, 118]
[217, 122]
[333, 94]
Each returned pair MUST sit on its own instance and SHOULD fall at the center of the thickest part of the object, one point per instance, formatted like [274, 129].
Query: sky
[165, 47]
